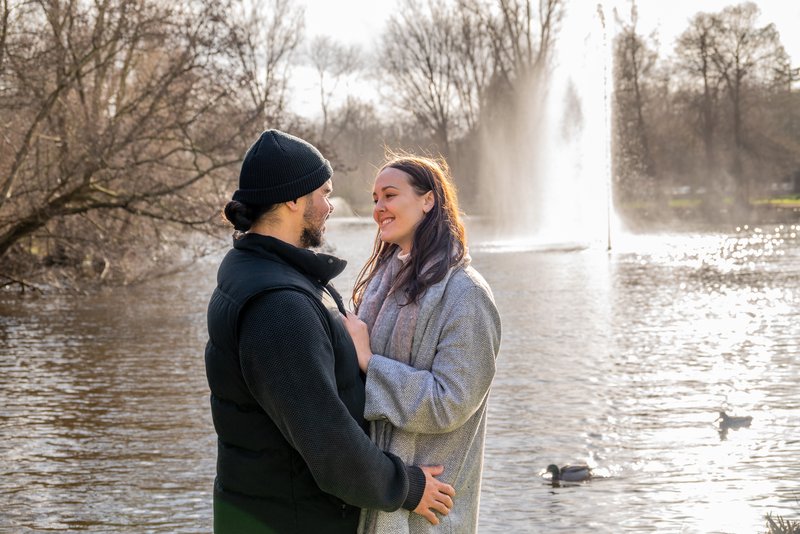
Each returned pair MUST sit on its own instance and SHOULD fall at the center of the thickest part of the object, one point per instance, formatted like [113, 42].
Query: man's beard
[311, 237]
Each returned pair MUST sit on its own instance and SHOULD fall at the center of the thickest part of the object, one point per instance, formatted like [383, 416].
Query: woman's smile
[398, 207]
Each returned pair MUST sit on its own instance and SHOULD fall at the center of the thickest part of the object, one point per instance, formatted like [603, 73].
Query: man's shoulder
[289, 309]
[284, 298]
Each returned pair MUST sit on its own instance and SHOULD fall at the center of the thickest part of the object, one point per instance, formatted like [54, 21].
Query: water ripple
[622, 361]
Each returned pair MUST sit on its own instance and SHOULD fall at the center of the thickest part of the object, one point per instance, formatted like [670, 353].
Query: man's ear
[293, 205]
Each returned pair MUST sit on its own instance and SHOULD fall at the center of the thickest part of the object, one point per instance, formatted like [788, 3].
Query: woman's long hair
[439, 238]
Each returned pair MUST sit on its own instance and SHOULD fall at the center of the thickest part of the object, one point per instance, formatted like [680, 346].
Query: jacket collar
[319, 266]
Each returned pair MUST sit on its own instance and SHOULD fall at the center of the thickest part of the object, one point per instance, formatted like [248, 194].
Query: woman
[426, 335]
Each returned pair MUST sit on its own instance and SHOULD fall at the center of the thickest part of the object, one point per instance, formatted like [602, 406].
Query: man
[287, 398]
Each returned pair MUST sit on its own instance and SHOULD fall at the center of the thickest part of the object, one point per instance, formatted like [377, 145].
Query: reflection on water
[622, 360]
[104, 425]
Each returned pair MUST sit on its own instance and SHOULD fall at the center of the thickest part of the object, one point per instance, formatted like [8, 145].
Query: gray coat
[434, 411]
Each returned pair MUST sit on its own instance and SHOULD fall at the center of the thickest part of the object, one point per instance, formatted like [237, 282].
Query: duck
[733, 421]
[570, 473]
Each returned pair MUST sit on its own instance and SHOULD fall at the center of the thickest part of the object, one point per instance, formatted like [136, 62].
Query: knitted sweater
[433, 410]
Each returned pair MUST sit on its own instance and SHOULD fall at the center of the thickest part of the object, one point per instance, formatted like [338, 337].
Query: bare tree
[694, 51]
[332, 61]
[721, 114]
[451, 64]
[264, 37]
[121, 120]
[742, 53]
[519, 51]
[634, 62]
[4, 16]
[521, 36]
[474, 67]
[418, 59]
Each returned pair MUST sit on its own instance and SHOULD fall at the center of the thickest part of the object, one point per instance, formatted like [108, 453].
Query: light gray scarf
[391, 323]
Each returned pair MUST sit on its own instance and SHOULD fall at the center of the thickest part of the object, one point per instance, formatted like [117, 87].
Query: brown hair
[439, 239]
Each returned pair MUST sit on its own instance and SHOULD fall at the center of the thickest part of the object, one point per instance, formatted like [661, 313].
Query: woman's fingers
[352, 321]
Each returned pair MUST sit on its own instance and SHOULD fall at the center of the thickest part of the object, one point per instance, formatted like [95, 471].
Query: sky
[361, 22]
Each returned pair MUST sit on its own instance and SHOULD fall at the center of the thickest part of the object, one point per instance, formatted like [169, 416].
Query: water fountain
[549, 185]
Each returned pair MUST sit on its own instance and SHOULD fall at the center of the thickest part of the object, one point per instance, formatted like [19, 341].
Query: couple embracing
[332, 421]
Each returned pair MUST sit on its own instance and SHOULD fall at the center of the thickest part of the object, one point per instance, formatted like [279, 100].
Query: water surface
[621, 360]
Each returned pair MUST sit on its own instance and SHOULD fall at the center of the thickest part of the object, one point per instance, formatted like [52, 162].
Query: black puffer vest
[256, 466]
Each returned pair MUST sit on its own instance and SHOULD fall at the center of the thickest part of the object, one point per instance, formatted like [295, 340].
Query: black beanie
[280, 167]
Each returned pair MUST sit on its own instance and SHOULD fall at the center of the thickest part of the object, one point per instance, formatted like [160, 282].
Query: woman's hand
[360, 335]
[438, 496]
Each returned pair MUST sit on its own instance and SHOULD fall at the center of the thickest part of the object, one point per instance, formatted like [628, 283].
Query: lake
[621, 359]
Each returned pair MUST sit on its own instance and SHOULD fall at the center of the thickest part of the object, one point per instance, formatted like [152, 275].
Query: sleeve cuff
[416, 487]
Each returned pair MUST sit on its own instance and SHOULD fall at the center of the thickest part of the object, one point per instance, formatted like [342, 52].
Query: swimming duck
[570, 473]
[732, 421]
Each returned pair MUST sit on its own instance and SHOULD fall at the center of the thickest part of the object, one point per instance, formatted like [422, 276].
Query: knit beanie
[280, 167]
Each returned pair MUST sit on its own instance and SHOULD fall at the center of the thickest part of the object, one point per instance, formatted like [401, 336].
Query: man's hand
[438, 495]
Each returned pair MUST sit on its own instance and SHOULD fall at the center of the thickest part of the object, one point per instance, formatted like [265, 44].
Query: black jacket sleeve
[288, 364]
